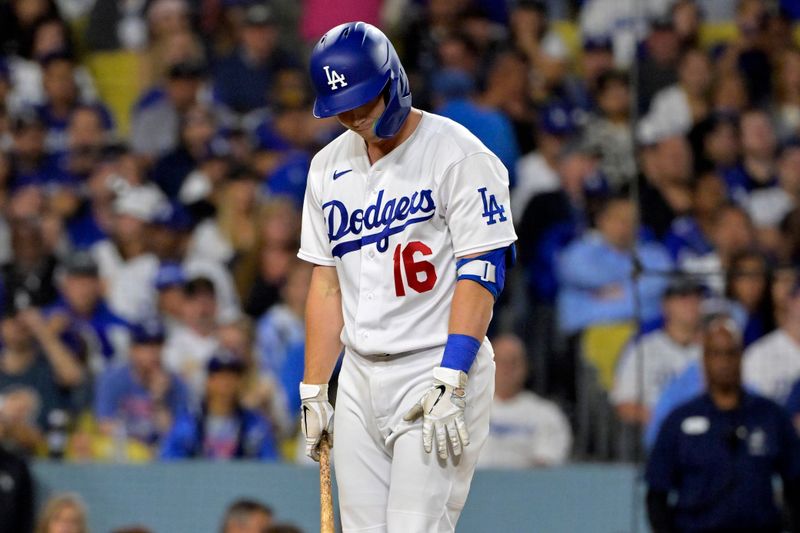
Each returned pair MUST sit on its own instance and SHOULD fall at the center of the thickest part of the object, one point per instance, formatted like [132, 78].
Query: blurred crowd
[151, 300]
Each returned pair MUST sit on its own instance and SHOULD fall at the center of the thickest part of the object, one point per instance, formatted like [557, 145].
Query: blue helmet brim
[349, 98]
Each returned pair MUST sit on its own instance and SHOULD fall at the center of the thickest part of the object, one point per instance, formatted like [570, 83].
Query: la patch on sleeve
[491, 208]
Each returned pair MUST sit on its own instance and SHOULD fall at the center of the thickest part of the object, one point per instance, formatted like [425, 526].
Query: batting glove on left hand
[442, 412]
[316, 417]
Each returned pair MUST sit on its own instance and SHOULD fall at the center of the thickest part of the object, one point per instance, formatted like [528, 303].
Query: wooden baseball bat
[325, 494]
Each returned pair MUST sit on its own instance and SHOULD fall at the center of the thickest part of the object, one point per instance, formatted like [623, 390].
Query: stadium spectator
[749, 52]
[658, 60]
[526, 430]
[86, 140]
[280, 334]
[233, 232]
[769, 205]
[715, 143]
[19, 21]
[687, 19]
[595, 272]
[544, 49]
[666, 171]
[784, 277]
[61, 513]
[51, 36]
[748, 287]
[242, 79]
[729, 94]
[172, 241]
[488, 123]
[508, 90]
[684, 104]
[157, 115]
[198, 127]
[260, 390]
[34, 172]
[17, 495]
[222, 429]
[170, 40]
[772, 364]
[756, 170]
[61, 98]
[169, 283]
[246, 516]
[98, 335]
[659, 356]
[609, 131]
[279, 226]
[140, 399]
[689, 236]
[786, 102]
[719, 452]
[28, 279]
[580, 88]
[126, 264]
[193, 341]
[34, 359]
[731, 234]
[536, 172]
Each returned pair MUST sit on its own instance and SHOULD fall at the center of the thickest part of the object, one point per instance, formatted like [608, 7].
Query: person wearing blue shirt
[595, 272]
[90, 325]
[712, 467]
[243, 79]
[223, 429]
[141, 397]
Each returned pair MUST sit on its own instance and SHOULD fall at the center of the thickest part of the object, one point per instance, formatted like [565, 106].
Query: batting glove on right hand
[442, 412]
[316, 418]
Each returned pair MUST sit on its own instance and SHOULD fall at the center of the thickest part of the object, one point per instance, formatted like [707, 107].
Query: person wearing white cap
[126, 265]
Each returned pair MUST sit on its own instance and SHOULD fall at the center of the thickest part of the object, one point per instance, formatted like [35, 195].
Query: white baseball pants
[386, 481]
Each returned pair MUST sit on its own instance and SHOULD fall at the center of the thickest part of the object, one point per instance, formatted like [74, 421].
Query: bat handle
[325, 492]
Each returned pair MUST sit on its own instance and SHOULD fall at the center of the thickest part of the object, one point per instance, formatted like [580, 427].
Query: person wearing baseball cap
[660, 355]
[242, 79]
[124, 260]
[222, 429]
[537, 171]
[88, 320]
[141, 398]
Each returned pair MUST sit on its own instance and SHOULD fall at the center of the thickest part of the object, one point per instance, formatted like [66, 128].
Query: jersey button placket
[366, 296]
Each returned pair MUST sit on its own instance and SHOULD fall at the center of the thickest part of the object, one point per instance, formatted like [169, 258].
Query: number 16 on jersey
[419, 275]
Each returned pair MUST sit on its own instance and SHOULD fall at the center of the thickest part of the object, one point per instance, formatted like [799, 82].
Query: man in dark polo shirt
[712, 466]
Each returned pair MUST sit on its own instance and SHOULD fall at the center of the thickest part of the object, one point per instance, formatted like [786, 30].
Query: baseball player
[407, 222]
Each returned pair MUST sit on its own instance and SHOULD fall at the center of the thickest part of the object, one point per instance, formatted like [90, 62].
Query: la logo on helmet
[334, 78]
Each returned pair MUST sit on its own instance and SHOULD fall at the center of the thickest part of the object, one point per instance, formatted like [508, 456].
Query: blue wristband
[460, 352]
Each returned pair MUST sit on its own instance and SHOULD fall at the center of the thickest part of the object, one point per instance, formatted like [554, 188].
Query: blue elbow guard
[488, 269]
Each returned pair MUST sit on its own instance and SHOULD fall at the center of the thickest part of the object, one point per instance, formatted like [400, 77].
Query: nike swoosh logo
[339, 174]
[441, 393]
[305, 418]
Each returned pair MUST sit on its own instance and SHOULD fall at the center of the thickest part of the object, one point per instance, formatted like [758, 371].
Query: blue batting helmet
[351, 65]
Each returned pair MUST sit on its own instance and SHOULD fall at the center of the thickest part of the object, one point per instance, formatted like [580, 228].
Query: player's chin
[368, 134]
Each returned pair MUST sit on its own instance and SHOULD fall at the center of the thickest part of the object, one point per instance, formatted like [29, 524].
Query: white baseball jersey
[663, 360]
[771, 365]
[394, 229]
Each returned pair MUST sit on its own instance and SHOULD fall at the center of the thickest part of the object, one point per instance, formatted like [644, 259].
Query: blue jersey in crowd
[120, 395]
[245, 434]
[721, 463]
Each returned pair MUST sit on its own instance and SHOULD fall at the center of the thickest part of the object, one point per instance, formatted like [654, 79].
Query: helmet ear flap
[398, 106]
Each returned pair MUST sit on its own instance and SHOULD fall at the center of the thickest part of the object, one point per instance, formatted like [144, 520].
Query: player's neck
[380, 148]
